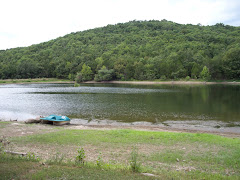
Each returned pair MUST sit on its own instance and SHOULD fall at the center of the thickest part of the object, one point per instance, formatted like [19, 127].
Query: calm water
[155, 104]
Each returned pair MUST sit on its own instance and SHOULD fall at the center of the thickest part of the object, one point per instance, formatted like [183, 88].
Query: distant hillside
[141, 50]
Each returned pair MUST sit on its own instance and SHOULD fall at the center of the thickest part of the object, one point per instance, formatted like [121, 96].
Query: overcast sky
[27, 22]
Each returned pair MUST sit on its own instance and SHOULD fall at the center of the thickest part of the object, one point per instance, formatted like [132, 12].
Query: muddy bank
[19, 128]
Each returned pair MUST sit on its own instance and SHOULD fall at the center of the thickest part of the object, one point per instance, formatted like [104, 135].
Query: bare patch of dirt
[15, 129]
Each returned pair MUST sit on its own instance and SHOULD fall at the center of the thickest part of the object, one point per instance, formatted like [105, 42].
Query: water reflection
[123, 103]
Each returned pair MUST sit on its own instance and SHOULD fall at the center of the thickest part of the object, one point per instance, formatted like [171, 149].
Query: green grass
[14, 167]
[204, 156]
[4, 124]
[127, 137]
[19, 168]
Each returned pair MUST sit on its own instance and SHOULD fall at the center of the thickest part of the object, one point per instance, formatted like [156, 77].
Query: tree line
[137, 50]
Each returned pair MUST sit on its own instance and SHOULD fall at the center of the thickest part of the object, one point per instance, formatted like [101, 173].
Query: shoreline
[161, 82]
[138, 127]
[212, 127]
[64, 81]
[152, 128]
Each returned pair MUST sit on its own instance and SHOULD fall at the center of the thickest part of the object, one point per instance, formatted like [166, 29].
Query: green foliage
[231, 61]
[134, 164]
[32, 157]
[80, 158]
[79, 78]
[187, 78]
[205, 75]
[99, 161]
[71, 77]
[163, 77]
[104, 74]
[86, 74]
[76, 85]
[195, 72]
[141, 50]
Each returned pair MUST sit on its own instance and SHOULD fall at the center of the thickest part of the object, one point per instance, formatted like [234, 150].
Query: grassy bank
[165, 154]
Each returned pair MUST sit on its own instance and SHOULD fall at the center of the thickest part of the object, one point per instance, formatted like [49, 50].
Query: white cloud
[27, 22]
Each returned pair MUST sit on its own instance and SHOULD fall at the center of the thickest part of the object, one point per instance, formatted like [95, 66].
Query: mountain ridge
[141, 50]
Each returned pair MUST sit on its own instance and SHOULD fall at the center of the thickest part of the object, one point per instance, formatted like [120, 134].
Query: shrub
[163, 77]
[187, 78]
[79, 78]
[76, 85]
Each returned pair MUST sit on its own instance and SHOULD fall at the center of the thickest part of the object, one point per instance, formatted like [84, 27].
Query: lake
[184, 106]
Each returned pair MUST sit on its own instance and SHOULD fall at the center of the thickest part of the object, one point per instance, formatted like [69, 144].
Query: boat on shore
[55, 120]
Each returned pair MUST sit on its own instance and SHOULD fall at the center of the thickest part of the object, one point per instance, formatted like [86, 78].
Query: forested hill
[141, 50]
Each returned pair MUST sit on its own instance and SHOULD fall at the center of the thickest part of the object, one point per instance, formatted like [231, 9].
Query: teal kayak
[56, 118]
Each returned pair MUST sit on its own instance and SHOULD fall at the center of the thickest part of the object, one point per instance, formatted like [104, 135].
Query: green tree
[196, 69]
[139, 71]
[86, 74]
[205, 75]
[137, 49]
[120, 68]
[27, 68]
[149, 72]
[231, 63]
[104, 74]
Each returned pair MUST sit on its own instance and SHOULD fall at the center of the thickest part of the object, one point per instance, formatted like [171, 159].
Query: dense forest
[140, 50]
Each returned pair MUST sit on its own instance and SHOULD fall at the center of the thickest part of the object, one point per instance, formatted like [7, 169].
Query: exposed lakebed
[180, 106]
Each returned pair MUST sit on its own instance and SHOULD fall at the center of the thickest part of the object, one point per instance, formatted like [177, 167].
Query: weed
[134, 164]
[1, 147]
[99, 160]
[56, 159]
[32, 157]
[80, 158]
[3, 143]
